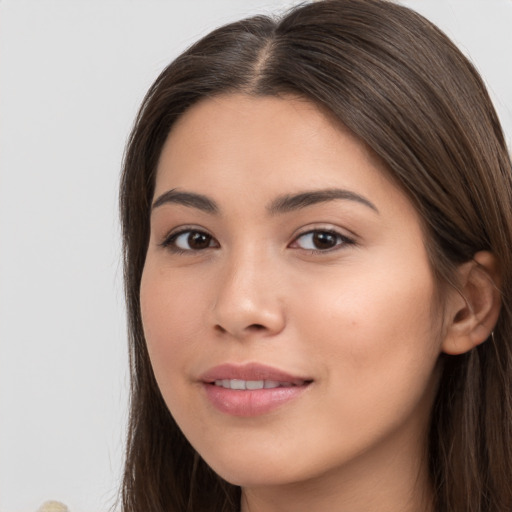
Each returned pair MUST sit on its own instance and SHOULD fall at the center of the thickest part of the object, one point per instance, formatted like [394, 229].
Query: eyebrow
[282, 204]
[289, 203]
[190, 199]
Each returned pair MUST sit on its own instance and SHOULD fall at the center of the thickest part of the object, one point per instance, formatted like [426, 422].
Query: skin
[358, 318]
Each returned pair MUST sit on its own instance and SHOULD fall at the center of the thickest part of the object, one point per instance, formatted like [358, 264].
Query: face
[287, 297]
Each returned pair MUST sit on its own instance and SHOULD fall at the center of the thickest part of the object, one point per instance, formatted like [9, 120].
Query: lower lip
[251, 402]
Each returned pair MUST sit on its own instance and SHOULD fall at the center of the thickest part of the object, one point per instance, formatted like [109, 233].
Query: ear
[473, 310]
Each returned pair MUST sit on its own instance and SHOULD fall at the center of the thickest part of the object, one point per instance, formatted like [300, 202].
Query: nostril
[256, 327]
[252, 328]
[247, 329]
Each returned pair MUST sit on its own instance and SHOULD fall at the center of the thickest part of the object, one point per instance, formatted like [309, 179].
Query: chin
[247, 477]
[259, 471]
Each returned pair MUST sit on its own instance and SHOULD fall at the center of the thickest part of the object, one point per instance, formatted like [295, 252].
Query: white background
[72, 74]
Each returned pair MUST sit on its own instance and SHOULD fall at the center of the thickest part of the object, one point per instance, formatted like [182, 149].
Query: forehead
[245, 140]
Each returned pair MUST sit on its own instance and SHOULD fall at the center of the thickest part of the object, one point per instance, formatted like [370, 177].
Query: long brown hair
[399, 84]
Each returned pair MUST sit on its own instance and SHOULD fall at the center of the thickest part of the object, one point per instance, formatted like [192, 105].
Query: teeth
[239, 384]
[254, 384]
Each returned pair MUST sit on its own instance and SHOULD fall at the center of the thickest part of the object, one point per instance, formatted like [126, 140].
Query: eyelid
[170, 237]
[345, 240]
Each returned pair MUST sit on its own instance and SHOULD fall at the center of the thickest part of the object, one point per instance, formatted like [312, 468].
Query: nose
[249, 300]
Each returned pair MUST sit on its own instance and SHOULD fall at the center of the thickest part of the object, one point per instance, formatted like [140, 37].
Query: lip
[250, 371]
[251, 402]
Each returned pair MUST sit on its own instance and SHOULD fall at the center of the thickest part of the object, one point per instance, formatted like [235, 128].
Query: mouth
[250, 385]
[251, 376]
[251, 389]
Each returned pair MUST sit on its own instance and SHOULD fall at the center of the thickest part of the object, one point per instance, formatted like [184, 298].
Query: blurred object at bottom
[53, 506]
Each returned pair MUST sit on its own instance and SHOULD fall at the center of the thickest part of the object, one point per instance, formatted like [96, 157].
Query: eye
[189, 240]
[321, 240]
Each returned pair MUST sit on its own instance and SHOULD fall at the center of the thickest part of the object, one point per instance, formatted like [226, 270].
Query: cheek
[172, 310]
[376, 345]
[169, 312]
[375, 325]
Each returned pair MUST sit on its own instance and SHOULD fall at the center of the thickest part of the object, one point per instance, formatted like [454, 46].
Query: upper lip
[251, 371]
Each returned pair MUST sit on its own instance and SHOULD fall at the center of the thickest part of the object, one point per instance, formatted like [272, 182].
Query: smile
[251, 389]
[242, 385]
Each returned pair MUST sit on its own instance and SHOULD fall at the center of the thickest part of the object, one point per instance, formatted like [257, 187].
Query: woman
[317, 228]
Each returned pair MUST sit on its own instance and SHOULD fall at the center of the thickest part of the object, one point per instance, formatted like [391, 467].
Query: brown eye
[190, 240]
[198, 241]
[324, 240]
[318, 240]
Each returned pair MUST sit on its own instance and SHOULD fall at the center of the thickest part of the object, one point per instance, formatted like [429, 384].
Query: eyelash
[341, 240]
[170, 241]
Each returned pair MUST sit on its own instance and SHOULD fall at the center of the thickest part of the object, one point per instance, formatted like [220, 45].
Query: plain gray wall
[72, 74]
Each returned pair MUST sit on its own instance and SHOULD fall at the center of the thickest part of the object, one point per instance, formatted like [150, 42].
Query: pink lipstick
[251, 389]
